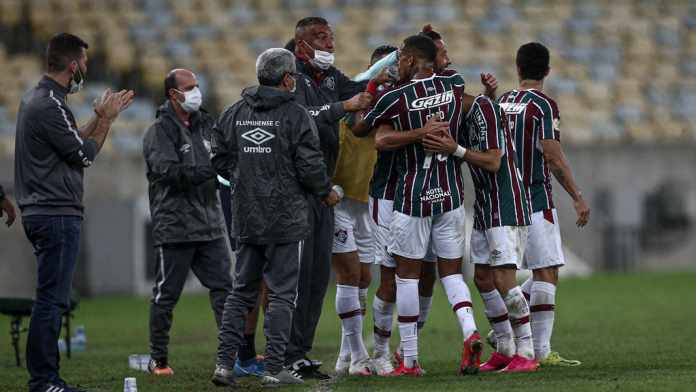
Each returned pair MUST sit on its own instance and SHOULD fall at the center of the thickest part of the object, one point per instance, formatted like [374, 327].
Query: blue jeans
[56, 243]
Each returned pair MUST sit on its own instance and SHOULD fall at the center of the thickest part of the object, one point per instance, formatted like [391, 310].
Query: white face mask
[323, 60]
[294, 85]
[192, 100]
[76, 85]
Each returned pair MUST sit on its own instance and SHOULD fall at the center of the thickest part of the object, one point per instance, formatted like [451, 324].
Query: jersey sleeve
[58, 128]
[487, 116]
[550, 120]
[387, 106]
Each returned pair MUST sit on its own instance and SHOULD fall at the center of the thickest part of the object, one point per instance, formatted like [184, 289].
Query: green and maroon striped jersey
[532, 117]
[428, 184]
[501, 199]
[384, 177]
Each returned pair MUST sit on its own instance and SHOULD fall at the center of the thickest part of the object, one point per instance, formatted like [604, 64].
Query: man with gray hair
[267, 145]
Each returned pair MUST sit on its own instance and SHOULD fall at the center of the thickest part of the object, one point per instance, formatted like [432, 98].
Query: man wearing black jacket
[267, 146]
[188, 226]
[328, 94]
[51, 153]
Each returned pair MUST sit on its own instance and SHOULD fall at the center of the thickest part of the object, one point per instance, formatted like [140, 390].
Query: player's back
[501, 199]
[532, 117]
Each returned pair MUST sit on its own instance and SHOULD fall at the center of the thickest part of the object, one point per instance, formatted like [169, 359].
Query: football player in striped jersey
[533, 119]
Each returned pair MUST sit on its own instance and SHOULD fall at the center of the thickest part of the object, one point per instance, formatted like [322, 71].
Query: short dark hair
[421, 47]
[428, 31]
[533, 61]
[62, 49]
[170, 83]
[290, 45]
[310, 21]
[381, 51]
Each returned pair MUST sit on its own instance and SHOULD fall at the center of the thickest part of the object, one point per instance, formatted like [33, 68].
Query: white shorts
[544, 247]
[498, 246]
[352, 229]
[381, 215]
[412, 236]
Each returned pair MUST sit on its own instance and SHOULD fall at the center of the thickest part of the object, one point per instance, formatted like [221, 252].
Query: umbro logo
[185, 148]
[258, 136]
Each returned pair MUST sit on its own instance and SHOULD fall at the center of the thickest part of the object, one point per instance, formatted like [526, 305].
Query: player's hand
[331, 199]
[434, 126]
[7, 208]
[360, 101]
[582, 210]
[489, 82]
[440, 142]
[111, 104]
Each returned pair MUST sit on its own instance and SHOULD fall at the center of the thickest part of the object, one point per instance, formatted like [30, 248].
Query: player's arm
[488, 160]
[560, 167]
[388, 139]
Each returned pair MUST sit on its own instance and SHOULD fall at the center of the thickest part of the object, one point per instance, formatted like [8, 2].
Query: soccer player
[501, 214]
[428, 194]
[533, 120]
[353, 243]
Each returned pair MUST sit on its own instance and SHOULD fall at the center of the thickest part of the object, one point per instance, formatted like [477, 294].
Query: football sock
[362, 297]
[247, 349]
[344, 351]
[518, 309]
[348, 309]
[527, 288]
[382, 313]
[497, 314]
[424, 304]
[460, 299]
[407, 307]
[542, 308]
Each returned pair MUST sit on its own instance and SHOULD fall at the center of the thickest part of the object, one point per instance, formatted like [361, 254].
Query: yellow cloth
[355, 163]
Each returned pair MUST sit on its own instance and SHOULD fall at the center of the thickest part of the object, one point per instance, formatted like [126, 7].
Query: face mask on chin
[192, 100]
[322, 60]
[77, 81]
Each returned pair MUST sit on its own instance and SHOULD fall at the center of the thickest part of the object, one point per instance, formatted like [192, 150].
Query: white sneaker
[342, 366]
[363, 367]
[383, 365]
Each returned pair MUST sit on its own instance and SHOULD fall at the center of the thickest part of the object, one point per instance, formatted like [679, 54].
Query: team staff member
[51, 153]
[267, 145]
[328, 94]
[188, 227]
[6, 207]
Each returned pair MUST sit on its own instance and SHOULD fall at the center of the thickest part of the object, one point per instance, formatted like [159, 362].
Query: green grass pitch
[632, 332]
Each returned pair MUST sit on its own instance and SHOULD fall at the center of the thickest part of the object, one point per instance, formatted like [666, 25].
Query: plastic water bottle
[130, 385]
[62, 347]
[79, 341]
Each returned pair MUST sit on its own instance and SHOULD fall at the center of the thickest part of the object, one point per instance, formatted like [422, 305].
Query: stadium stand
[623, 71]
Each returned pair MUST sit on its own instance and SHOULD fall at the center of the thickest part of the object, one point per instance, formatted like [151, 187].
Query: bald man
[188, 226]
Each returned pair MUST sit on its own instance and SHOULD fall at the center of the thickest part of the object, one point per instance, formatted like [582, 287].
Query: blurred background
[623, 73]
